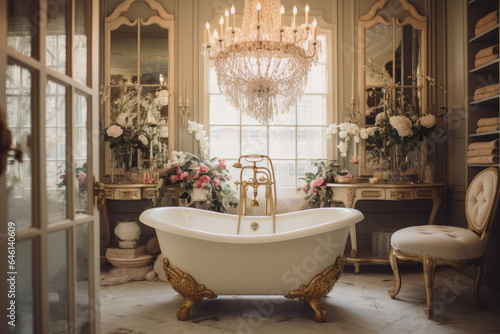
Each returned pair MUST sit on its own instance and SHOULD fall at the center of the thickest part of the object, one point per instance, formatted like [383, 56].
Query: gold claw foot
[319, 287]
[187, 287]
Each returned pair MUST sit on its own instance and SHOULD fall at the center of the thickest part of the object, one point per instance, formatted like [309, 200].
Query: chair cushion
[437, 241]
[480, 199]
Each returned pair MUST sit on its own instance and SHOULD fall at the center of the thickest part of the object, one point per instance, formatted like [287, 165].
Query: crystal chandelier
[262, 68]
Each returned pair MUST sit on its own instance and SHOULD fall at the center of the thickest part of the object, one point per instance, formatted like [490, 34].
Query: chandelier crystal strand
[262, 68]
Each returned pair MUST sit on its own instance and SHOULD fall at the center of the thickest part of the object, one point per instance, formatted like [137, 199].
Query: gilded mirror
[139, 64]
[392, 43]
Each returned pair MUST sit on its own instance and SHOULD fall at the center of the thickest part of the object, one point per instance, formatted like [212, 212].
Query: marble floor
[358, 303]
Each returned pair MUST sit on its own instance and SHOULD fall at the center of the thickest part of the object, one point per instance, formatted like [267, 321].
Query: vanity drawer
[148, 193]
[425, 193]
[399, 194]
[127, 194]
[370, 193]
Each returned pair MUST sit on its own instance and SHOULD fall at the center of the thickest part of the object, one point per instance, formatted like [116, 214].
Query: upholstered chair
[434, 245]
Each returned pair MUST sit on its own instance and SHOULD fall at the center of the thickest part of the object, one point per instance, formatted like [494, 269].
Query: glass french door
[49, 225]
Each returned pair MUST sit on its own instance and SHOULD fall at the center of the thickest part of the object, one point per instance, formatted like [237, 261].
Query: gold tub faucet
[261, 176]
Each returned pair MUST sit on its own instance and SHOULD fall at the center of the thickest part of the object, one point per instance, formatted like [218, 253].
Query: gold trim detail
[187, 287]
[319, 287]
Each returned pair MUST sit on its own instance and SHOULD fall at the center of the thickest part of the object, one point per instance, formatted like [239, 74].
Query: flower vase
[198, 195]
[127, 232]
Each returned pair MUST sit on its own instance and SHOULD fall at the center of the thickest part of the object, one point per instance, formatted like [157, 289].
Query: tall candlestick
[258, 14]
[226, 14]
[294, 20]
[221, 22]
[315, 24]
[207, 26]
[233, 19]
[307, 14]
[282, 11]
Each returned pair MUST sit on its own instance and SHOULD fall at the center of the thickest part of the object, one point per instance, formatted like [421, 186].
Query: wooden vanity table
[349, 194]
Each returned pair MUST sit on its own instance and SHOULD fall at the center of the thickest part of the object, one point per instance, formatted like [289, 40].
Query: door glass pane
[58, 282]
[56, 151]
[56, 35]
[80, 147]
[21, 25]
[23, 289]
[154, 54]
[82, 279]
[80, 42]
[19, 121]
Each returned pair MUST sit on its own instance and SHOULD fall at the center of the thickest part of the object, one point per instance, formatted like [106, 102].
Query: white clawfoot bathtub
[203, 247]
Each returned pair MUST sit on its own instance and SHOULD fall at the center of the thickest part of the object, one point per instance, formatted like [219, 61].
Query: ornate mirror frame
[120, 18]
[379, 15]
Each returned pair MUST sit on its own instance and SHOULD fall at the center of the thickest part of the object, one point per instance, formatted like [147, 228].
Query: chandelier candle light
[262, 68]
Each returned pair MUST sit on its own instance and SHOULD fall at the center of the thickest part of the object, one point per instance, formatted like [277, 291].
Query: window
[291, 140]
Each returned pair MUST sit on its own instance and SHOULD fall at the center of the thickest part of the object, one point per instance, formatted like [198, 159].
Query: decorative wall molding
[124, 7]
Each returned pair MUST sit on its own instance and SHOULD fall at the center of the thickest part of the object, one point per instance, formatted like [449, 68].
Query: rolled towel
[485, 159]
[484, 96]
[486, 27]
[487, 89]
[488, 121]
[483, 145]
[484, 60]
[486, 52]
[487, 18]
[482, 152]
[488, 128]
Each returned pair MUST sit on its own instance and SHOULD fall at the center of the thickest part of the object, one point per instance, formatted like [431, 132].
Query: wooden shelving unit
[481, 76]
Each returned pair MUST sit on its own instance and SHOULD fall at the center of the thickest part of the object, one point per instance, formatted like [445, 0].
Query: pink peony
[199, 184]
[319, 182]
[222, 161]
[221, 166]
[203, 168]
[305, 188]
[205, 179]
[228, 178]
[174, 178]
[216, 182]
[184, 176]
[82, 179]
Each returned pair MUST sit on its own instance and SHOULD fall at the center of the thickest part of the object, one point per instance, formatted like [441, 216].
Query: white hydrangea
[380, 118]
[402, 124]
[428, 120]
[143, 140]
[125, 119]
[114, 131]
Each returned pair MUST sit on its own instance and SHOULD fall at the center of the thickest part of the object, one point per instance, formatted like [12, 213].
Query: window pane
[21, 25]
[285, 172]
[19, 174]
[285, 119]
[303, 167]
[56, 35]
[213, 88]
[80, 48]
[282, 142]
[317, 81]
[312, 110]
[311, 143]
[58, 283]
[220, 136]
[254, 140]
[24, 289]
[221, 112]
[56, 151]
[80, 152]
[82, 278]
